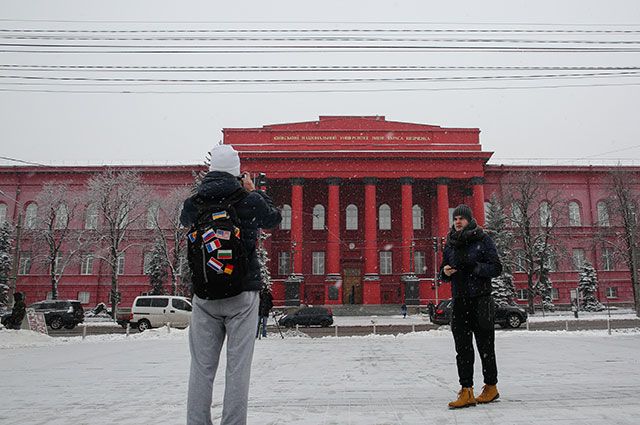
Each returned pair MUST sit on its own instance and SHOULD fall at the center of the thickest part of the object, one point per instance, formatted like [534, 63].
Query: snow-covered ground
[545, 378]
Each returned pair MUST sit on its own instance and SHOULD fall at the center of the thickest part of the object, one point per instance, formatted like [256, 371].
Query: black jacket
[266, 303]
[255, 211]
[473, 254]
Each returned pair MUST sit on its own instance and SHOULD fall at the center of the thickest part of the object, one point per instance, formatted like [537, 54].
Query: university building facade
[364, 202]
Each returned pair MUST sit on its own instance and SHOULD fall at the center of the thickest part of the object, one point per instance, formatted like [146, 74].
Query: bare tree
[624, 203]
[536, 211]
[57, 207]
[120, 199]
[170, 234]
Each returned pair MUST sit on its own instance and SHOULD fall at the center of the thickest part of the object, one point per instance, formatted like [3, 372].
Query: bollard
[336, 330]
[297, 328]
[84, 331]
[413, 328]
[527, 325]
[128, 329]
[566, 325]
[609, 325]
[168, 327]
[374, 328]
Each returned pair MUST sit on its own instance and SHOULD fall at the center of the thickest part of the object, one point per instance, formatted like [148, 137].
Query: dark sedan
[59, 313]
[308, 316]
[507, 315]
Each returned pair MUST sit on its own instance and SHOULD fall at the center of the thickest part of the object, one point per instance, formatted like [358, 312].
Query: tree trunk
[530, 294]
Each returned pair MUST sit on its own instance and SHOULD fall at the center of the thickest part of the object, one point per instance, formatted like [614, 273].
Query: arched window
[418, 217]
[62, 217]
[152, 215]
[603, 214]
[31, 216]
[574, 214]
[91, 217]
[352, 217]
[318, 217]
[384, 217]
[285, 224]
[3, 213]
[545, 214]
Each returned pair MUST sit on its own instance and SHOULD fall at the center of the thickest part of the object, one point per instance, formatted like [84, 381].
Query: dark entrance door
[351, 286]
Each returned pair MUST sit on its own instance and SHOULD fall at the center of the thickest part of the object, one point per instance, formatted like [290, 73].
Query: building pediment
[351, 123]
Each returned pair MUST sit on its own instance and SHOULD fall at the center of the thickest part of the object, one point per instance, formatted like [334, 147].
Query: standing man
[14, 320]
[470, 260]
[266, 304]
[233, 318]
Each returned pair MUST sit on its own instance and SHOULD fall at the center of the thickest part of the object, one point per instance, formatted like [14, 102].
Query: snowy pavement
[545, 378]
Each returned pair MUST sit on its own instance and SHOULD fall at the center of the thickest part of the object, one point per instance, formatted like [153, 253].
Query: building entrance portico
[351, 285]
[362, 188]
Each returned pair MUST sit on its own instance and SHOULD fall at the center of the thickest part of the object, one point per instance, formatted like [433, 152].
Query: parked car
[507, 315]
[150, 311]
[59, 313]
[308, 316]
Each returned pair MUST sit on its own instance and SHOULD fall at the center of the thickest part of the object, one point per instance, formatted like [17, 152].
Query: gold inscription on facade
[353, 138]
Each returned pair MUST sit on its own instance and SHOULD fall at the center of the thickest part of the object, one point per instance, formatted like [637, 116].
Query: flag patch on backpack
[208, 235]
[219, 215]
[225, 254]
[212, 246]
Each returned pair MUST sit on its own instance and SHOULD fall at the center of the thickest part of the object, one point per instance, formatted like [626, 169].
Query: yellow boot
[465, 398]
[489, 394]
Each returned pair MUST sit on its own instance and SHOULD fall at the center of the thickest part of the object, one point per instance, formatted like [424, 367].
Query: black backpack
[215, 252]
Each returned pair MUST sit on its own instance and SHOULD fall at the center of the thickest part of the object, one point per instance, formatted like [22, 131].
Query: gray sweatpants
[211, 321]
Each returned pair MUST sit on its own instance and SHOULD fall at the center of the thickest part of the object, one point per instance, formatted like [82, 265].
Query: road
[571, 325]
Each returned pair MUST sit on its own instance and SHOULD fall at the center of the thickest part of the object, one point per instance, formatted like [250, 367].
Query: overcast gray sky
[45, 121]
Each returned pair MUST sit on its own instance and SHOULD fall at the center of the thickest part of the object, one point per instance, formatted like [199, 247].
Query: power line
[294, 91]
[318, 30]
[305, 68]
[320, 38]
[322, 80]
[269, 49]
[21, 161]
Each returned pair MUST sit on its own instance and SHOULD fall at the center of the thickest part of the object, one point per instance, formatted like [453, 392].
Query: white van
[151, 311]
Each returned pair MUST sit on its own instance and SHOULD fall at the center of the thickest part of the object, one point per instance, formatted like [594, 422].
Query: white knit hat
[225, 158]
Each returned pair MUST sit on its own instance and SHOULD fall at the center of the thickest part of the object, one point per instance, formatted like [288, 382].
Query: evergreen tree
[263, 259]
[588, 287]
[496, 226]
[158, 269]
[6, 260]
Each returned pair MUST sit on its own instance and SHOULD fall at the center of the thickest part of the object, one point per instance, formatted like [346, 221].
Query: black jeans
[474, 316]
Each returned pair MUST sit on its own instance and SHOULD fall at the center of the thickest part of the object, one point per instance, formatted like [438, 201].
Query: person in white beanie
[233, 318]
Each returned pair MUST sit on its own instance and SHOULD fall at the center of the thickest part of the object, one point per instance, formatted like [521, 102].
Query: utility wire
[296, 68]
[297, 91]
[319, 30]
[321, 80]
[269, 49]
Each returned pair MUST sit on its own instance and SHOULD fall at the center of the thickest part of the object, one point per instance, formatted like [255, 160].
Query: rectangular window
[522, 294]
[25, 263]
[555, 294]
[50, 297]
[284, 263]
[607, 260]
[56, 263]
[120, 267]
[578, 258]
[419, 264]
[317, 266]
[451, 216]
[83, 297]
[612, 292]
[86, 265]
[385, 262]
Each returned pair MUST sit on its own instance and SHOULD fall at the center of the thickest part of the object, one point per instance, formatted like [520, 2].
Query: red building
[362, 198]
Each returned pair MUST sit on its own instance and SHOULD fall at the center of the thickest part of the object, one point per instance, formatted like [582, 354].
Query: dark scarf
[464, 237]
